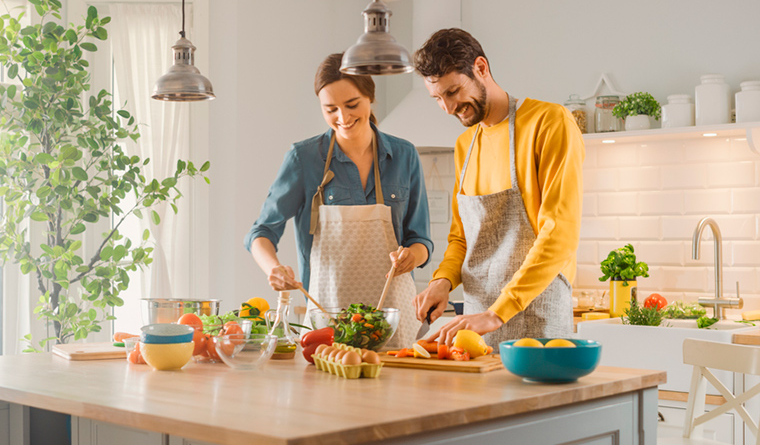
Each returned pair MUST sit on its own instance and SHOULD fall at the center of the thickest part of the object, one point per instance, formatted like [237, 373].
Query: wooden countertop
[751, 338]
[289, 402]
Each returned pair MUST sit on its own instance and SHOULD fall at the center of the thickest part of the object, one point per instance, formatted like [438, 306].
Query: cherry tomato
[231, 327]
[459, 354]
[199, 339]
[318, 337]
[211, 348]
[655, 301]
[191, 319]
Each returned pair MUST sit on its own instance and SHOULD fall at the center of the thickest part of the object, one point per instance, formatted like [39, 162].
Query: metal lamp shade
[184, 82]
[376, 51]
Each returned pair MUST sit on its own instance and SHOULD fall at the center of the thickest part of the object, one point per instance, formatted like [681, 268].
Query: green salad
[680, 309]
[361, 326]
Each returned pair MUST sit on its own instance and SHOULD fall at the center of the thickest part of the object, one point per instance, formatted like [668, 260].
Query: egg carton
[367, 370]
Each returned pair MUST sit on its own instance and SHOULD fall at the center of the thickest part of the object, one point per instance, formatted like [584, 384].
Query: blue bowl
[551, 365]
[163, 333]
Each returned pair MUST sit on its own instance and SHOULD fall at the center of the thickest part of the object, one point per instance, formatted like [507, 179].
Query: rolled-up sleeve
[285, 199]
[417, 218]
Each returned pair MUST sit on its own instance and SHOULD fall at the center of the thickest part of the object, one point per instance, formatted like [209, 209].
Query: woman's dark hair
[448, 50]
[329, 72]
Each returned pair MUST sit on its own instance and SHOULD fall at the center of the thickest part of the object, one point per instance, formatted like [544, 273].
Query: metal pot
[168, 310]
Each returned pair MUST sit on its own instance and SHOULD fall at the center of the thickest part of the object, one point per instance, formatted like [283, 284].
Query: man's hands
[282, 278]
[436, 295]
[481, 323]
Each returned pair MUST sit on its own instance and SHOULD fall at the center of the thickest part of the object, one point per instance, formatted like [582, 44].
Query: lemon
[559, 343]
[259, 303]
[528, 342]
[471, 342]
[419, 351]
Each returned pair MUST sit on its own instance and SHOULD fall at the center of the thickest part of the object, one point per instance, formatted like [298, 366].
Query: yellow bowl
[167, 356]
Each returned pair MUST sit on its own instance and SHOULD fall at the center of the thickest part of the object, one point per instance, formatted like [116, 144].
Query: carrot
[120, 336]
[357, 318]
[393, 353]
[443, 352]
[405, 352]
[430, 346]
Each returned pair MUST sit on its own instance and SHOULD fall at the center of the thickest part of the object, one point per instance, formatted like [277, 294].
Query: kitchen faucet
[718, 304]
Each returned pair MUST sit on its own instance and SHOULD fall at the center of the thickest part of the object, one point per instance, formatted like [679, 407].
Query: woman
[356, 194]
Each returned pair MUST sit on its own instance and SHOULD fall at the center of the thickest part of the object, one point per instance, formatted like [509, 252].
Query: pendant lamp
[376, 51]
[184, 82]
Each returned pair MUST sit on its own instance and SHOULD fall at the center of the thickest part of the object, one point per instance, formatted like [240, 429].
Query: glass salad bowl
[359, 325]
[245, 352]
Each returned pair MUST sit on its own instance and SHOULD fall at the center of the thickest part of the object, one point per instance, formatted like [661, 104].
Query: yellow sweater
[549, 163]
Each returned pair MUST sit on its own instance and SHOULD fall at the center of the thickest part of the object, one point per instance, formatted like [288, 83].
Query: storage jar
[603, 117]
[678, 112]
[748, 102]
[577, 107]
[713, 100]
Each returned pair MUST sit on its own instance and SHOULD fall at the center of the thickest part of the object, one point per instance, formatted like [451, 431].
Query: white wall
[264, 53]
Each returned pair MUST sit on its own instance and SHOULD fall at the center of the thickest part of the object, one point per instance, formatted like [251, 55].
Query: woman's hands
[283, 278]
[407, 258]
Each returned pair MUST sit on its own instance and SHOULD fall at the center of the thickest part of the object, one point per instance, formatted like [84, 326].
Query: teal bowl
[551, 365]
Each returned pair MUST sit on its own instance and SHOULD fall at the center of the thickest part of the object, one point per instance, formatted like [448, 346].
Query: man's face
[459, 95]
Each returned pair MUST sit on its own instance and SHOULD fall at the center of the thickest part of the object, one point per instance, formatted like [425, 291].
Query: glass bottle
[286, 343]
[604, 119]
[577, 107]
[713, 100]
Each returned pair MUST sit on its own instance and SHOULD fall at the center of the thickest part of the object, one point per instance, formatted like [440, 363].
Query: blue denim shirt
[290, 195]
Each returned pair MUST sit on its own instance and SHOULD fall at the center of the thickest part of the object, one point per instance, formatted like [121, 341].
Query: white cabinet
[95, 432]
[174, 440]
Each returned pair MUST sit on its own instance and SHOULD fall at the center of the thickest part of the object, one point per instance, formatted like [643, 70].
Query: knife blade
[425, 325]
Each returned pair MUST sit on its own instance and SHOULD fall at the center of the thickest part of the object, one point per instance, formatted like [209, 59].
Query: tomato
[191, 319]
[309, 350]
[211, 349]
[459, 354]
[324, 336]
[655, 301]
[120, 336]
[226, 345]
[200, 342]
[231, 327]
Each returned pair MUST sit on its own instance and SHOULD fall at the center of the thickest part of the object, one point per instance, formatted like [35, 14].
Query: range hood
[418, 118]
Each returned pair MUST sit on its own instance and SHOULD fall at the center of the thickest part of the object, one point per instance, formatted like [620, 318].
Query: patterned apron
[499, 236]
[349, 256]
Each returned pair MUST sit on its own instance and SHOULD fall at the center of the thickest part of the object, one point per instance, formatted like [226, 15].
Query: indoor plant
[636, 109]
[63, 167]
[621, 268]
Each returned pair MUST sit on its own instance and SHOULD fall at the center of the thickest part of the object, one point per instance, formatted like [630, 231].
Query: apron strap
[318, 199]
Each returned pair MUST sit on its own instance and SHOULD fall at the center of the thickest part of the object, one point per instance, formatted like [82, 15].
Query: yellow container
[167, 356]
[620, 296]
[594, 315]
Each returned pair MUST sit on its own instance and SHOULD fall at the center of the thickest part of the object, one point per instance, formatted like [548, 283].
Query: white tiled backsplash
[653, 195]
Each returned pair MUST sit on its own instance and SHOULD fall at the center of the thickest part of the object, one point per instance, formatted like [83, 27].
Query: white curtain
[142, 36]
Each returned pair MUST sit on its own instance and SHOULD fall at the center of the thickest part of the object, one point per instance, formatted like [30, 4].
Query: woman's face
[345, 109]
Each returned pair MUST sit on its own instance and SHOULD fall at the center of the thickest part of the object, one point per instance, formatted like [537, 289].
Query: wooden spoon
[307, 294]
[388, 282]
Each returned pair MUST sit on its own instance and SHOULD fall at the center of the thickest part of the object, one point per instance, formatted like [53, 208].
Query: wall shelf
[750, 131]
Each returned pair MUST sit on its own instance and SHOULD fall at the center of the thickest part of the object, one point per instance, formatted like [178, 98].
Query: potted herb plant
[636, 110]
[62, 168]
[621, 268]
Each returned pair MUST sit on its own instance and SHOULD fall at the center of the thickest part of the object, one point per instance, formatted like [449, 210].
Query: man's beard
[478, 106]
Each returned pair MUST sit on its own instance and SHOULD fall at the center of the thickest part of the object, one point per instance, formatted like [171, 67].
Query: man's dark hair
[448, 50]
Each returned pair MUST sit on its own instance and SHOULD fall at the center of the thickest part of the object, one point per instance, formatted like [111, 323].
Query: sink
[658, 347]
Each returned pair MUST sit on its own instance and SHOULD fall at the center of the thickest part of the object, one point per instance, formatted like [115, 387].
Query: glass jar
[577, 107]
[678, 112]
[604, 119]
[748, 102]
[713, 100]
[277, 324]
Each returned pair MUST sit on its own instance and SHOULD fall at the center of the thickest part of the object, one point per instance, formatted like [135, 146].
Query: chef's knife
[425, 325]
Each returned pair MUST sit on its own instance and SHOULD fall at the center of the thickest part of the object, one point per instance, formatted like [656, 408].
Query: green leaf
[101, 33]
[39, 216]
[155, 218]
[105, 254]
[77, 229]
[123, 113]
[87, 46]
[43, 191]
[75, 246]
[206, 165]
[13, 71]
[146, 235]
[79, 173]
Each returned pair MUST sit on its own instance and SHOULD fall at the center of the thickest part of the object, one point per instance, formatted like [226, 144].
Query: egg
[319, 349]
[371, 357]
[339, 356]
[326, 351]
[351, 358]
[333, 354]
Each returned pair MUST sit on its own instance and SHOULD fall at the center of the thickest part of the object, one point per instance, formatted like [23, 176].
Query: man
[516, 205]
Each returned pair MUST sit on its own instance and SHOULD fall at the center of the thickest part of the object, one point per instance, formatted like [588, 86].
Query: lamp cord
[182, 33]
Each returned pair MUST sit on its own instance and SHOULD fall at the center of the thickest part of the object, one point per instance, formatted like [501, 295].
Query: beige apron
[350, 256]
[499, 236]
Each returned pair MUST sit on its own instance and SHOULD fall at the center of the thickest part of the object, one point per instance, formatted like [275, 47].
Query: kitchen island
[290, 402]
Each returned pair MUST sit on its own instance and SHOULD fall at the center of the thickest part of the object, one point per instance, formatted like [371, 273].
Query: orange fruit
[559, 343]
[528, 342]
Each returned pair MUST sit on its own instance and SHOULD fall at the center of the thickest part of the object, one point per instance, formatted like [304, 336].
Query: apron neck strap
[318, 199]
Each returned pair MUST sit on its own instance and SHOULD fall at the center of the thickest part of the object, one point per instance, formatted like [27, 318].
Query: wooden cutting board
[90, 351]
[481, 364]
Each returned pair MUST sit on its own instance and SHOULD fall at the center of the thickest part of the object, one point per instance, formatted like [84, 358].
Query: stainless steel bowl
[168, 310]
